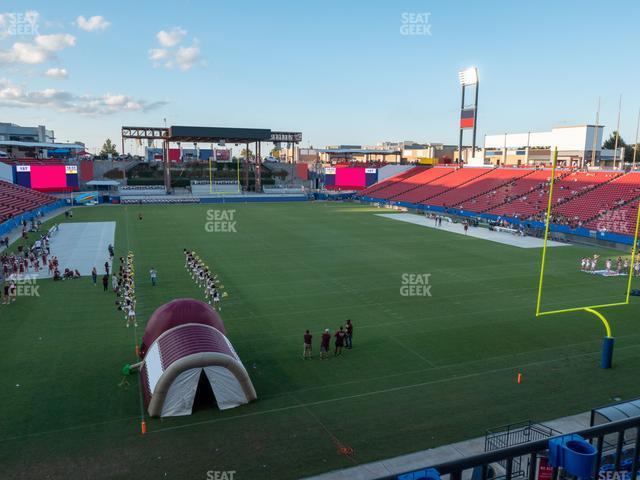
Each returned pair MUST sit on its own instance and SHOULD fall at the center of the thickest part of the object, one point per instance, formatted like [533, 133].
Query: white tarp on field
[82, 246]
[476, 232]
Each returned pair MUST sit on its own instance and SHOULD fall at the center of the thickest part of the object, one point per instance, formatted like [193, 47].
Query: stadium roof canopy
[616, 411]
[216, 134]
[103, 183]
[16, 143]
[358, 151]
[185, 133]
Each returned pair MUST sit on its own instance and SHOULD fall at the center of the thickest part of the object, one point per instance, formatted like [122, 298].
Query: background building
[575, 146]
[33, 142]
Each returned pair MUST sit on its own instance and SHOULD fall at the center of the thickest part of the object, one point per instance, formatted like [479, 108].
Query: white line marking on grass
[440, 367]
[384, 391]
[411, 350]
[259, 336]
[66, 429]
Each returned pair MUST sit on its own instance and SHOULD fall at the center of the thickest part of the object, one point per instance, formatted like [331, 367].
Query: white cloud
[42, 49]
[4, 25]
[187, 57]
[92, 24]
[171, 38]
[56, 42]
[156, 54]
[182, 57]
[12, 95]
[59, 73]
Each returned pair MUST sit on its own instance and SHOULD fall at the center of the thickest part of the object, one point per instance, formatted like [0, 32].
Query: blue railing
[580, 231]
[14, 222]
[611, 456]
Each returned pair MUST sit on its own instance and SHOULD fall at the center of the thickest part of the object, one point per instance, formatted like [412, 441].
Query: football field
[443, 324]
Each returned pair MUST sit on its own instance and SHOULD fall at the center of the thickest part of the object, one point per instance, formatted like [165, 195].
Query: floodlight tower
[468, 113]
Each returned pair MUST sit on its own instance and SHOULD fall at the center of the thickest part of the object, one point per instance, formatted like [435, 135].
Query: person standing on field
[154, 276]
[306, 353]
[349, 337]
[105, 282]
[340, 335]
[324, 344]
[94, 276]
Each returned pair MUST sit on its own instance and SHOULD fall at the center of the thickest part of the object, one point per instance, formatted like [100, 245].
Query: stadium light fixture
[468, 76]
[468, 113]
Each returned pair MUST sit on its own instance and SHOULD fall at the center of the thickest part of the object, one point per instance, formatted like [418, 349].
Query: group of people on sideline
[343, 339]
[204, 277]
[125, 290]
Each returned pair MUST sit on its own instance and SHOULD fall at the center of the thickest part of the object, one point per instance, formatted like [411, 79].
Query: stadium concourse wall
[238, 198]
[14, 222]
[610, 238]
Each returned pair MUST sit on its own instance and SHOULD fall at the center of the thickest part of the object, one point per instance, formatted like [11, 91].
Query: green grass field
[424, 371]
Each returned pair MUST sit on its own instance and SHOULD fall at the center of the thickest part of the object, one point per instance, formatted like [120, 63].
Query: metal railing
[516, 434]
[615, 459]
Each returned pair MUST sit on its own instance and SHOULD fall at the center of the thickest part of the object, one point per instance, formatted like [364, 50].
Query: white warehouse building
[574, 144]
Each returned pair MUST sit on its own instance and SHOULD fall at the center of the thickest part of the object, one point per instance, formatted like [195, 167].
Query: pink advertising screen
[48, 177]
[350, 177]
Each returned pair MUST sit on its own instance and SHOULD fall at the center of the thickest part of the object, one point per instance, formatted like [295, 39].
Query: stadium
[199, 300]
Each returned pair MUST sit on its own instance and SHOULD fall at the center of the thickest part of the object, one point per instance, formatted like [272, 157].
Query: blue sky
[339, 71]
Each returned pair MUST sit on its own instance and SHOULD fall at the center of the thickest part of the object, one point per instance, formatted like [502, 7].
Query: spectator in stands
[94, 276]
[5, 294]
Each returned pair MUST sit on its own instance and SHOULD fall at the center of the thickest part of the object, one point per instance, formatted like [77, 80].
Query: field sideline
[424, 371]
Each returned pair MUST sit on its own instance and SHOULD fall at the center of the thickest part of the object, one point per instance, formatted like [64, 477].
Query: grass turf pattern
[424, 371]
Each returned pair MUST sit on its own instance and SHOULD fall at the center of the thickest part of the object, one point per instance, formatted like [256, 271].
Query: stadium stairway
[487, 184]
[15, 199]
[391, 181]
[461, 177]
[602, 198]
[535, 200]
[507, 192]
[423, 179]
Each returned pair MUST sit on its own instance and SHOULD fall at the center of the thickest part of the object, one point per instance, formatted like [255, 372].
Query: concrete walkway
[476, 232]
[433, 456]
[16, 233]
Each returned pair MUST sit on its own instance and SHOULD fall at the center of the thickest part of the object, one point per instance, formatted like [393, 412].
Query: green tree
[109, 148]
[244, 153]
[610, 143]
